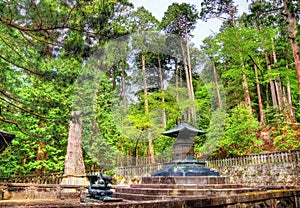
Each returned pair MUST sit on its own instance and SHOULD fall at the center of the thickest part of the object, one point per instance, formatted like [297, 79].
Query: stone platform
[160, 188]
[265, 199]
[172, 192]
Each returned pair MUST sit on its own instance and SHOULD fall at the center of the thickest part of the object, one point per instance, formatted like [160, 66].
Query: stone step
[137, 197]
[186, 186]
[184, 192]
[184, 180]
[143, 197]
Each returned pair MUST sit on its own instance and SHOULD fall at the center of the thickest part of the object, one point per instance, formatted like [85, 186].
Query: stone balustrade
[21, 191]
[256, 159]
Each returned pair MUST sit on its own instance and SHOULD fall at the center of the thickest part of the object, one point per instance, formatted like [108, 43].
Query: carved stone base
[80, 180]
[87, 200]
[74, 180]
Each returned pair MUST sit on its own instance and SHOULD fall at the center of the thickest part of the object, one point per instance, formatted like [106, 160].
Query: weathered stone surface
[185, 186]
[185, 168]
[4, 193]
[165, 188]
[184, 180]
[20, 191]
[185, 191]
[264, 185]
[278, 198]
[263, 174]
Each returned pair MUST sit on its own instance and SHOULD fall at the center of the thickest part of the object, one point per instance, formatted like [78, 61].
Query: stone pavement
[266, 199]
[176, 192]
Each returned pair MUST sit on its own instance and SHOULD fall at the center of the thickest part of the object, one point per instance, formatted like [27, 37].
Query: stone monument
[184, 163]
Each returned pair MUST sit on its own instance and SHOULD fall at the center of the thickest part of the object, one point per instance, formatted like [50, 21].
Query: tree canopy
[241, 86]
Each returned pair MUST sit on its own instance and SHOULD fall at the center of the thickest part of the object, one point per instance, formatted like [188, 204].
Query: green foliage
[45, 45]
[240, 133]
[217, 8]
[214, 133]
[180, 19]
[287, 138]
[284, 131]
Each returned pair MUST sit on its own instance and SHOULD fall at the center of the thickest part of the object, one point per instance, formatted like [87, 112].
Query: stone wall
[264, 171]
[20, 191]
[263, 174]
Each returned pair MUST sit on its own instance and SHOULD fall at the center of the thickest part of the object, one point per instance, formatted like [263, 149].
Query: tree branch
[24, 110]
[19, 128]
[19, 66]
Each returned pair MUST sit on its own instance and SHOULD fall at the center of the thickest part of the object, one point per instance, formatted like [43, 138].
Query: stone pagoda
[184, 163]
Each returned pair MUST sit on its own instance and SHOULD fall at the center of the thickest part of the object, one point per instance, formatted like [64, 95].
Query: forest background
[249, 102]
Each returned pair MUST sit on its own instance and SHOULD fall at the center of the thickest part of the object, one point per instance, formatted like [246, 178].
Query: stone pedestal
[80, 180]
[185, 168]
[172, 187]
[185, 180]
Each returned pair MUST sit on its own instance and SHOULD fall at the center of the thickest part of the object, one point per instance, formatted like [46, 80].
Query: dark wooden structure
[5, 139]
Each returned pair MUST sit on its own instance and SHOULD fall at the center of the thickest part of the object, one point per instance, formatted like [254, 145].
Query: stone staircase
[161, 188]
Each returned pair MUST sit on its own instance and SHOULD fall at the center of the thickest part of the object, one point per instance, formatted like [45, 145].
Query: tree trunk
[186, 69]
[144, 74]
[151, 147]
[278, 85]
[291, 19]
[245, 86]
[246, 92]
[146, 105]
[74, 172]
[215, 75]
[272, 83]
[177, 77]
[161, 80]
[123, 89]
[193, 109]
[187, 76]
[260, 103]
[41, 155]
[289, 100]
[136, 150]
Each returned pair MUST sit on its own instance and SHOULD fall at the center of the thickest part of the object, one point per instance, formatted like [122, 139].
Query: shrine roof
[183, 130]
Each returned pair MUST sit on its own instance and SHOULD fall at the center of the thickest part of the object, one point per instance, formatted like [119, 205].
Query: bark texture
[74, 172]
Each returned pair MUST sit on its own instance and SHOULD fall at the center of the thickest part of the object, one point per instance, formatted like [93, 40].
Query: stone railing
[144, 170]
[56, 178]
[255, 159]
[21, 191]
[283, 164]
[49, 178]
[268, 158]
[129, 161]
